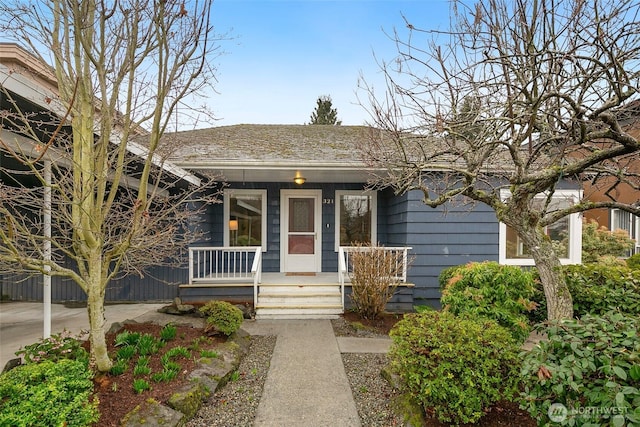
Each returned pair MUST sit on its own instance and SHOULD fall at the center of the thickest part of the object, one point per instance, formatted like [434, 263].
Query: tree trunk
[97, 336]
[556, 292]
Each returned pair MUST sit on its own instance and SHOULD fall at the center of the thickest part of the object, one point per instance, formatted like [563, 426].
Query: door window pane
[301, 215]
[301, 244]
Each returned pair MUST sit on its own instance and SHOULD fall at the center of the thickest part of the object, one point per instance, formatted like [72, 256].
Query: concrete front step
[298, 313]
[299, 300]
[308, 301]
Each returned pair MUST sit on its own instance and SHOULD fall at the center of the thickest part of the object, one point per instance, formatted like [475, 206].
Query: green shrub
[499, 292]
[597, 289]
[599, 241]
[57, 347]
[446, 274]
[374, 278]
[633, 262]
[454, 366]
[48, 394]
[221, 316]
[591, 366]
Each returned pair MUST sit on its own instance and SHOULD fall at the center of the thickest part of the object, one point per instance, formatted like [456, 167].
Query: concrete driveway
[21, 323]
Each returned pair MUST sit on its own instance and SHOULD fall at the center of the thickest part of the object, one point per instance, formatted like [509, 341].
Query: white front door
[301, 231]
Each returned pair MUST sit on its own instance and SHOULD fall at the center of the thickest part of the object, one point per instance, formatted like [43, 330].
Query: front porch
[234, 274]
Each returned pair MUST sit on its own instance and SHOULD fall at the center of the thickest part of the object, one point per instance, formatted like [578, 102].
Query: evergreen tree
[324, 114]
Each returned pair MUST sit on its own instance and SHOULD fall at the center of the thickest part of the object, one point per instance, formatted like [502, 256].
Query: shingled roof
[268, 144]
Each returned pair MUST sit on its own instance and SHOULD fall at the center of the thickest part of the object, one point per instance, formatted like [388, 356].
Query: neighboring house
[607, 189]
[294, 200]
[28, 87]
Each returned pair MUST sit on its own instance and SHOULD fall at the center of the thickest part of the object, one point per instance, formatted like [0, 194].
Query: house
[294, 199]
[29, 95]
[608, 189]
[300, 195]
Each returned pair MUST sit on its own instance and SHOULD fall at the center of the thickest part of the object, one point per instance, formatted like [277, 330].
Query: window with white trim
[623, 220]
[245, 218]
[565, 234]
[356, 217]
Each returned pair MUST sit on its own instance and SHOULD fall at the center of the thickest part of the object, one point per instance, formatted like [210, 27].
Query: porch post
[46, 279]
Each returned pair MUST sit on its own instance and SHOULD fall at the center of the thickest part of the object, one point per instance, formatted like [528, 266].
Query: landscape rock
[152, 413]
[188, 400]
[12, 363]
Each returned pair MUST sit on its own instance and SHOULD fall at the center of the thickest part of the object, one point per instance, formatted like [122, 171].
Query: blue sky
[286, 53]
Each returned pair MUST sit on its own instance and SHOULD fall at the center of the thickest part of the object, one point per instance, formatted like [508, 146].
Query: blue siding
[159, 284]
[442, 237]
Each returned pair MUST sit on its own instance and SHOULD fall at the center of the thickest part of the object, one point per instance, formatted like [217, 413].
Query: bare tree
[515, 98]
[122, 71]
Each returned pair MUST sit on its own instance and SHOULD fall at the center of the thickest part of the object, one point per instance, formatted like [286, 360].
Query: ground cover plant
[454, 367]
[48, 393]
[591, 366]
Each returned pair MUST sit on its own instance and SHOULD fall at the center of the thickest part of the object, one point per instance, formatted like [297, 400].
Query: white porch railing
[345, 267]
[256, 271]
[217, 264]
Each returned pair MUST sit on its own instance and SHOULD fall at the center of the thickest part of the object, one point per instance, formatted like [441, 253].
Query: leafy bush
[599, 241]
[48, 394]
[633, 262]
[222, 316]
[59, 346]
[374, 278]
[454, 366]
[597, 289]
[499, 292]
[591, 366]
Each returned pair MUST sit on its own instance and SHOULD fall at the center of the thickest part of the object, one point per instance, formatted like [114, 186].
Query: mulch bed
[116, 394]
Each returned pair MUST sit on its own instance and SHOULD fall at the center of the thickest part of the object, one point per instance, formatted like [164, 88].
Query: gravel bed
[236, 403]
[373, 395]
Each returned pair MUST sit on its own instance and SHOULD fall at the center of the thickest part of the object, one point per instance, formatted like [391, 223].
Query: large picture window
[245, 220]
[356, 213]
[565, 234]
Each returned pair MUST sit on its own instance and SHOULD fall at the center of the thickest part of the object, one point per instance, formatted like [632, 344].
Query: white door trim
[284, 221]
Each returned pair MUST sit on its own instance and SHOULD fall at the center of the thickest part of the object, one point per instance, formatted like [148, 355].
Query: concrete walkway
[306, 384]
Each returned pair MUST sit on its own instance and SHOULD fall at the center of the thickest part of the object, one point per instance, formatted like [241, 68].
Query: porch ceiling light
[299, 179]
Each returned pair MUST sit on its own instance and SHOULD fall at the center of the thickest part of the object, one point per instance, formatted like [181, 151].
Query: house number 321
[327, 201]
